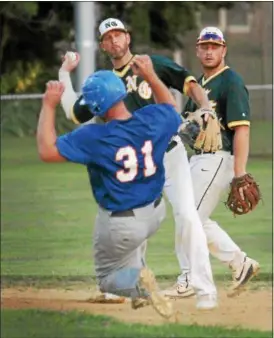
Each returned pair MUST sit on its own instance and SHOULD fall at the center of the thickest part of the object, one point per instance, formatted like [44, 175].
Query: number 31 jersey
[124, 158]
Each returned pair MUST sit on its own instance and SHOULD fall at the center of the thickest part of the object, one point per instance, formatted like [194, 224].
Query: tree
[34, 34]
[159, 24]
[30, 31]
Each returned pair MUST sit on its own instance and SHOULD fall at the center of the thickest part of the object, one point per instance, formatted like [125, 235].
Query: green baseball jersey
[139, 91]
[229, 98]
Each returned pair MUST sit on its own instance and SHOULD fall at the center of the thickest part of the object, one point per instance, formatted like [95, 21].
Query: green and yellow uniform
[139, 91]
[229, 98]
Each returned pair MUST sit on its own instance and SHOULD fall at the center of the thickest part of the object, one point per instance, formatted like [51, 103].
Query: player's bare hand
[70, 61]
[141, 65]
[53, 93]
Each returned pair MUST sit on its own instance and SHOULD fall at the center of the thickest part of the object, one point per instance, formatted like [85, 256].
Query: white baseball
[72, 56]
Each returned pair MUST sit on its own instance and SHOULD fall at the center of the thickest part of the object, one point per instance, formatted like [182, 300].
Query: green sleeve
[172, 74]
[237, 104]
[80, 113]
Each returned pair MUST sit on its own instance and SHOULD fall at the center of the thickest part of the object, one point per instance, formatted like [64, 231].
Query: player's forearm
[198, 95]
[69, 96]
[160, 91]
[240, 150]
[46, 134]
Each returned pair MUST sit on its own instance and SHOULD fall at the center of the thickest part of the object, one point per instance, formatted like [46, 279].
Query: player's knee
[123, 282]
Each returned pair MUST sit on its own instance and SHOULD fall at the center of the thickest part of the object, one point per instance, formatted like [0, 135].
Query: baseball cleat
[107, 298]
[241, 276]
[206, 302]
[138, 303]
[159, 302]
[180, 290]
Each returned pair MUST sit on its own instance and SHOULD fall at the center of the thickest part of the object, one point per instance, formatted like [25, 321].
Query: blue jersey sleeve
[173, 117]
[81, 145]
[163, 113]
[169, 116]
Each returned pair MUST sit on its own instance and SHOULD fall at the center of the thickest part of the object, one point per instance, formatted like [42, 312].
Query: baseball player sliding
[115, 40]
[212, 172]
[124, 159]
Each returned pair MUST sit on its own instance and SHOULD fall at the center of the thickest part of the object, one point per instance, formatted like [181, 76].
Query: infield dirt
[252, 309]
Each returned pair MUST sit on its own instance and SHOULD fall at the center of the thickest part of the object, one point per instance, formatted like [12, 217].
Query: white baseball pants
[190, 240]
[211, 175]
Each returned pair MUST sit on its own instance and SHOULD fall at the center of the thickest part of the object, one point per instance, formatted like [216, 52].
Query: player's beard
[119, 53]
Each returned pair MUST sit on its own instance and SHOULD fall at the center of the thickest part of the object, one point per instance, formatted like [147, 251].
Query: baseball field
[47, 277]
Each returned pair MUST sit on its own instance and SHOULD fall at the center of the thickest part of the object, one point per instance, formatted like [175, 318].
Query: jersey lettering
[213, 105]
[143, 88]
[131, 83]
[129, 157]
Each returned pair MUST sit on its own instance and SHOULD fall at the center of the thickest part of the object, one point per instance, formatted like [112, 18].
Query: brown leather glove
[209, 137]
[244, 195]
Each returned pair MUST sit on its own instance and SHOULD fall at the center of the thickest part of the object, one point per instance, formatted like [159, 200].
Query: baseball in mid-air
[72, 56]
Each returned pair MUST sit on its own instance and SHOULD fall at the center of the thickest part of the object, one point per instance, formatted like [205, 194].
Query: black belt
[130, 213]
[171, 145]
[201, 152]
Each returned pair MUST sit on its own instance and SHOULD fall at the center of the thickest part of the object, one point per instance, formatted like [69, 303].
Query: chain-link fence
[248, 31]
[19, 117]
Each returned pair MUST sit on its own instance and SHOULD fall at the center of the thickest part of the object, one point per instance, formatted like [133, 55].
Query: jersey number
[129, 156]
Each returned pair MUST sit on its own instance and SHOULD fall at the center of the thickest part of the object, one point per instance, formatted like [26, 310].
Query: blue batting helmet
[101, 91]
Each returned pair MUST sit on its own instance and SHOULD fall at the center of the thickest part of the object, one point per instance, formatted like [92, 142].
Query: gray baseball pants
[118, 241]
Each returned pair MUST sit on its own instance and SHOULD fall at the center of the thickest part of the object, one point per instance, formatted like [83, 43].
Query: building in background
[248, 29]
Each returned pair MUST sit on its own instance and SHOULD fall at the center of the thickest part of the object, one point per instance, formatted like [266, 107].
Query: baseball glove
[244, 195]
[201, 135]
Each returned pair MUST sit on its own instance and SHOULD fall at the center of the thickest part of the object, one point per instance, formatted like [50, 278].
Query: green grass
[47, 216]
[44, 324]
[14, 122]
[261, 138]
[48, 213]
